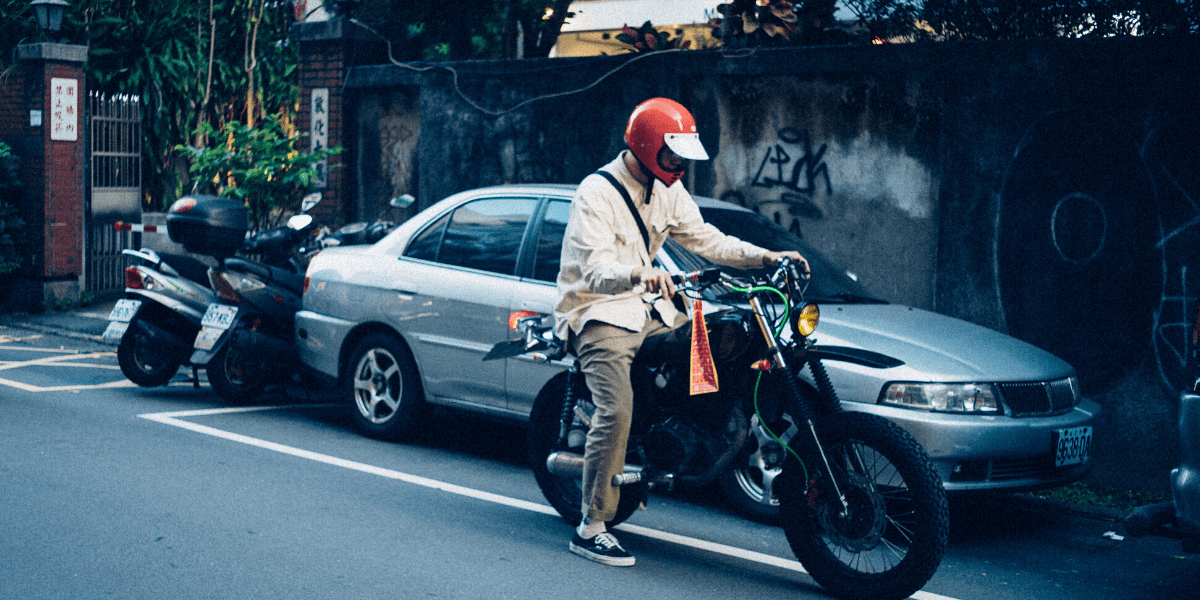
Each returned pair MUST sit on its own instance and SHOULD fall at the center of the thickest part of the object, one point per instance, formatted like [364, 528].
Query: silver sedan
[403, 325]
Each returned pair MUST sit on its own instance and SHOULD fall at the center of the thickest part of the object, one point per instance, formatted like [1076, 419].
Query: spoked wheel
[383, 388]
[750, 485]
[565, 493]
[236, 376]
[888, 539]
[144, 362]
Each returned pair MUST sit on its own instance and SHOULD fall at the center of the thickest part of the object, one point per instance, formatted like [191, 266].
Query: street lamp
[49, 13]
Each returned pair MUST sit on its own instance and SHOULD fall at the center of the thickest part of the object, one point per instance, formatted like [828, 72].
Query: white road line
[175, 419]
[54, 359]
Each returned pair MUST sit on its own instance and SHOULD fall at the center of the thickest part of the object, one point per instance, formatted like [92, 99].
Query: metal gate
[115, 167]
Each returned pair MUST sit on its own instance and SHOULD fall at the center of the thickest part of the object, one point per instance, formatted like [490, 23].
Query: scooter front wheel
[142, 361]
[235, 377]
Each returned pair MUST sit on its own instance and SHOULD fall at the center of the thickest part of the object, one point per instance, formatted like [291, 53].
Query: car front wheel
[383, 388]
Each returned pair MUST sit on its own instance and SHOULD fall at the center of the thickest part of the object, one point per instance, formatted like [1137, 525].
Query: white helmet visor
[686, 145]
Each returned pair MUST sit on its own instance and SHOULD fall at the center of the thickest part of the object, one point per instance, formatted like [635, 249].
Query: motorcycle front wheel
[565, 493]
[236, 377]
[887, 540]
[143, 362]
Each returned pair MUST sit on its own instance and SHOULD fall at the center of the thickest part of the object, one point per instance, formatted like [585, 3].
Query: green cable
[758, 380]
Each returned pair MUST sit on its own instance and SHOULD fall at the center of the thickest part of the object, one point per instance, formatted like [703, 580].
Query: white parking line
[175, 419]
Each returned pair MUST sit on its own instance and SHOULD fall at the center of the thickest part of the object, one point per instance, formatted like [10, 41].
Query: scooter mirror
[299, 222]
[310, 201]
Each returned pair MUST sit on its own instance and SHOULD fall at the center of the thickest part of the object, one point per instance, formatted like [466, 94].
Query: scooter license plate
[207, 338]
[124, 310]
[219, 316]
[1072, 446]
[115, 331]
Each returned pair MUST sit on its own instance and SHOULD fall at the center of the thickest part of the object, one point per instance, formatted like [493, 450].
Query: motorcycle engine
[675, 446]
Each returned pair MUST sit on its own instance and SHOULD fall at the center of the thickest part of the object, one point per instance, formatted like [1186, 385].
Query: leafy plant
[755, 22]
[262, 166]
[648, 39]
[12, 226]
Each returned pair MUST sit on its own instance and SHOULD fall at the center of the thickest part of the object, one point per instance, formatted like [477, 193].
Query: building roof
[608, 15]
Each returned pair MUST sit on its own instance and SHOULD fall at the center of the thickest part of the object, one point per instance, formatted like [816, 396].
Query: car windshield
[829, 284]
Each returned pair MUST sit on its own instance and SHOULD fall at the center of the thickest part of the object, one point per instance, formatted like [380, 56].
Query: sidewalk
[81, 322]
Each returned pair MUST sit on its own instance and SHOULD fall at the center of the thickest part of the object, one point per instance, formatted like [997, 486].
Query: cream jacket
[602, 246]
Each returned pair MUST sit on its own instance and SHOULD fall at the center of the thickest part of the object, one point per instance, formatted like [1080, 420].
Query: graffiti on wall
[1095, 234]
[791, 174]
[398, 142]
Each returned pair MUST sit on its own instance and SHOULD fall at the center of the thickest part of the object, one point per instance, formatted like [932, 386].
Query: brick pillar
[327, 51]
[50, 139]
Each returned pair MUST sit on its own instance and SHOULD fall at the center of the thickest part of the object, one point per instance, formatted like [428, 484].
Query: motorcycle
[861, 504]
[245, 339]
[165, 298]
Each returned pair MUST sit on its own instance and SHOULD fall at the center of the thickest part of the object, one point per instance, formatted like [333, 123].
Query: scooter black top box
[208, 225]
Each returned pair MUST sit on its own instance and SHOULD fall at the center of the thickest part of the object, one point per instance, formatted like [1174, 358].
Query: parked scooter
[165, 298]
[245, 339]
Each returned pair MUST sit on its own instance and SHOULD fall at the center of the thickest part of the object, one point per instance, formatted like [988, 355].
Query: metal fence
[115, 166]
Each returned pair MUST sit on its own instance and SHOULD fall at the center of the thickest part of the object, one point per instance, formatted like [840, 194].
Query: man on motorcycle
[611, 297]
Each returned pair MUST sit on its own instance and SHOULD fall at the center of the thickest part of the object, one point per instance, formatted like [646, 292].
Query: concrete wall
[1044, 189]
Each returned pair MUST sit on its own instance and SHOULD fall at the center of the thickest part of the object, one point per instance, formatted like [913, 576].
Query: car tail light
[306, 282]
[133, 278]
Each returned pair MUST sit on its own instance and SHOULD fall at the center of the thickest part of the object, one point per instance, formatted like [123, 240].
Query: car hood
[935, 347]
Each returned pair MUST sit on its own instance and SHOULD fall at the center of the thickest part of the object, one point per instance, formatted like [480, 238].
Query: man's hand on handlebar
[656, 280]
[771, 259]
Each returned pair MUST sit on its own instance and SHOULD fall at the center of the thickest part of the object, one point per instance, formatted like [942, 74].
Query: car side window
[425, 245]
[550, 239]
[484, 234]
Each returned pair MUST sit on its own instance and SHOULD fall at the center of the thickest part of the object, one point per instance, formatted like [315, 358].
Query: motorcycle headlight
[804, 321]
[943, 397]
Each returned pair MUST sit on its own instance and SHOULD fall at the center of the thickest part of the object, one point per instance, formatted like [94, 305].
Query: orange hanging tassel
[703, 371]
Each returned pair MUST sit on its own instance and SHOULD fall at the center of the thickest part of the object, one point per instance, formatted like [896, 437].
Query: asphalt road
[109, 490]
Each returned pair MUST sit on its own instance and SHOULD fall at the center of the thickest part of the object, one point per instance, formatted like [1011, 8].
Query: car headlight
[943, 397]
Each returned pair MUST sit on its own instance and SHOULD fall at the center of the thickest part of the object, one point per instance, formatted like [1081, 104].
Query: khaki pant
[605, 354]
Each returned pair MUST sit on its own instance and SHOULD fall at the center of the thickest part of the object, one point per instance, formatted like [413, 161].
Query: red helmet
[658, 122]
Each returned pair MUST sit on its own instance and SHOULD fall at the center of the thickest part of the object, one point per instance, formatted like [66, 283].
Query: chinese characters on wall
[319, 132]
[64, 109]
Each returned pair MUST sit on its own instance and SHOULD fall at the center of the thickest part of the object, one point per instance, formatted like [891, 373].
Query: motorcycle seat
[291, 281]
[187, 267]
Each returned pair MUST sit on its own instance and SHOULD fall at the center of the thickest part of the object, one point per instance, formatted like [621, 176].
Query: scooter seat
[187, 267]
[282, 277]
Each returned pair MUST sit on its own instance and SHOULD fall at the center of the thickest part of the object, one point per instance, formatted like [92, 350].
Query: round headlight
[804, 321]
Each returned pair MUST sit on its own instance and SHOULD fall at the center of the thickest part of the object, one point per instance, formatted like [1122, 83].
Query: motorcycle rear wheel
[235, 377]
[565, 493]
[894, 533]
[143, 362]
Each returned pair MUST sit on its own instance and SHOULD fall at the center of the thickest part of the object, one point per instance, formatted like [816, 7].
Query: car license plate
[124, 310]
[1072, 446]
[207, 338]
[219, 316]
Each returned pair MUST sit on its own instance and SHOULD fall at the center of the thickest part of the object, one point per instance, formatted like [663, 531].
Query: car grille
[1033, 467]
[1038, 398]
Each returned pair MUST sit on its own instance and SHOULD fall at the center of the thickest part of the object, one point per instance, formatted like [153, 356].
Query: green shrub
[12, 226]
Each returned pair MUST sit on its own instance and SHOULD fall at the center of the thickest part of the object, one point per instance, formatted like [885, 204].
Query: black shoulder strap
[632, 208]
